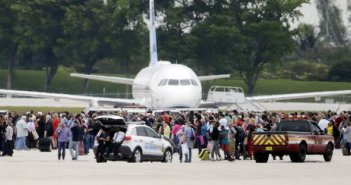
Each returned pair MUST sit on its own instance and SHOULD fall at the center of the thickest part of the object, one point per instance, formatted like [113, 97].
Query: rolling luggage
[44, 145]
[345, 150]
[204, 155]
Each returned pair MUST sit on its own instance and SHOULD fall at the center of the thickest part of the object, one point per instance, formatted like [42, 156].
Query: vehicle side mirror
[315, 132]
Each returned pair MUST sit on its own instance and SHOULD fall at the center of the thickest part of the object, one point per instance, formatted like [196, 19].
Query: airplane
[160, 85]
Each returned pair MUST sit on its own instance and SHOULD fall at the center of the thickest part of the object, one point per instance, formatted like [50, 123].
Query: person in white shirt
[22, 133]
[117, 140]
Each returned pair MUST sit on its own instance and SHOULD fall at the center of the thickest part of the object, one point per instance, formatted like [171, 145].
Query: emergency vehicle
[141, 143]
[294, 138]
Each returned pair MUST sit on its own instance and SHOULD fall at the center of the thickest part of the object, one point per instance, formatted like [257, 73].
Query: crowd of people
[222, 133]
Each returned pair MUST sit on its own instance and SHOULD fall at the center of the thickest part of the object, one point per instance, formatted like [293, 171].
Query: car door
[142, 140]
[317, 133]
[155, 142]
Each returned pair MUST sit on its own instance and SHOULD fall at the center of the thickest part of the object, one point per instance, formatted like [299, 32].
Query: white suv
[141, 143]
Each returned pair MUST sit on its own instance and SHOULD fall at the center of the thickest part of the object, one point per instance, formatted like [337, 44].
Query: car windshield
[294, 126]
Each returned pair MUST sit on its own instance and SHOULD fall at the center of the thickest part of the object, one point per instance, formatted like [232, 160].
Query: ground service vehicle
[141, 143]
[293, 138]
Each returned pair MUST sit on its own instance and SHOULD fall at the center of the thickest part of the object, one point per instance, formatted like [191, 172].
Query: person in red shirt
[55, 123]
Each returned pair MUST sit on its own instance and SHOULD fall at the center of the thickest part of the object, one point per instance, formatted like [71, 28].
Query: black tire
[261, 157]
[328, 155]
[167, 156]
[300, 156]
[137, 156]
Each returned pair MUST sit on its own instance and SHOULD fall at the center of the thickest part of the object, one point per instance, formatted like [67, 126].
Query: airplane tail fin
[152, 32]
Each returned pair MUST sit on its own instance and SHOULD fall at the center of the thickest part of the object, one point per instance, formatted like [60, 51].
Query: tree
[341, 70]
[39, 28]
[8, 44]
[266, 35]
[94, 31]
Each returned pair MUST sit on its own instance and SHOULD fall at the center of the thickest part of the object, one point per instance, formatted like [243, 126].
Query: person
[63, 134]
[49, 129]
[239, 141]
[224, 142]
[231, 137]
[73, 145]
[190, 137]
[199, 140]
[22, 133]
[55, 123]
[32, 133]
[215, 137]
[182, 147]
[41, 124]
[103, 139]
[166, 130]
[8, 145]
[117, 140]
[176, 127]
[89, 137]
[347, 135]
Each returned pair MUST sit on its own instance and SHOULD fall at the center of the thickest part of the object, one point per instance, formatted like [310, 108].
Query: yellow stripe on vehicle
[263, 140]
[258, 139]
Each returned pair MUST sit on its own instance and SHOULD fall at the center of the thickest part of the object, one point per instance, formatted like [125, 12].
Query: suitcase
[44, 145]
[345, 151]
[204, 155]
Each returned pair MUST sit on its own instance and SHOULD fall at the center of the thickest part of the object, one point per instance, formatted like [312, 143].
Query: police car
[141, 143]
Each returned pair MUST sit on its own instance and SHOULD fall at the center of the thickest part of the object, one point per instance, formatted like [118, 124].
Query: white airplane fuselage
[166, 85]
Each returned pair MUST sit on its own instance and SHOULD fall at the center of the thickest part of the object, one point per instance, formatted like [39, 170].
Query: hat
[223, 122]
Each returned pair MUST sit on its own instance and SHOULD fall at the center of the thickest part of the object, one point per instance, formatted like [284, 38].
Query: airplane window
[173, 82]
[185, 82]
[194, 82]
[159, 84]
[164, 82]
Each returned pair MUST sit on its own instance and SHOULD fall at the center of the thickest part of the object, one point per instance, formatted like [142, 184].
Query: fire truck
[294, 138]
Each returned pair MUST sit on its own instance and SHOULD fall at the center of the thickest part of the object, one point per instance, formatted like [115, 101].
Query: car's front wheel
[167, 156]
[328, 153]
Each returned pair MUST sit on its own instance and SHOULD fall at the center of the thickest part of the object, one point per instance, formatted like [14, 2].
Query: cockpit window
[159, 84]
[164, 82]
[185, 82]
[194, 82]
[173, 82]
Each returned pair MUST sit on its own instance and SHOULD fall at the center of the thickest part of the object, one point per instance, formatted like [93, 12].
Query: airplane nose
[182, 98]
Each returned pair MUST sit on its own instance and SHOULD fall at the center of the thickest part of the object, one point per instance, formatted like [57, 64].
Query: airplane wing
[94, 101]
[297, 95]
[213, 77]
[112, 79]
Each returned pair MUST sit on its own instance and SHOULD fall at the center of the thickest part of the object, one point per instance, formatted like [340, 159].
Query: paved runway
[38, 168]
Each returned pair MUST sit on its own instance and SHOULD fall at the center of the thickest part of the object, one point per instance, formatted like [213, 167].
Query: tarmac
[43, 168]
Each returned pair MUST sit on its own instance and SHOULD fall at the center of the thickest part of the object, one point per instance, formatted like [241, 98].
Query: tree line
[212, 36]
